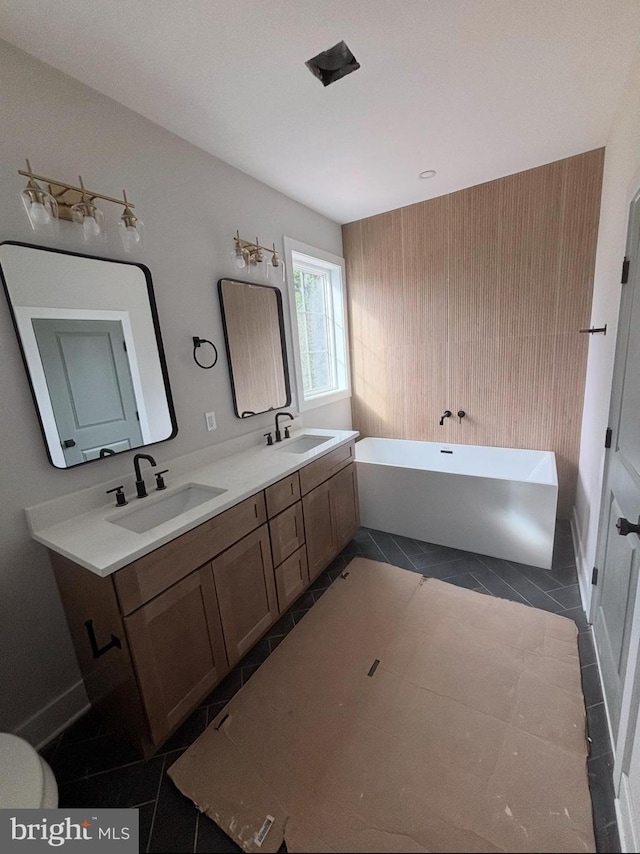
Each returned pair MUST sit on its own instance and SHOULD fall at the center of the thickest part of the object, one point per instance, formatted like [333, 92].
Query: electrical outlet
[211, 420]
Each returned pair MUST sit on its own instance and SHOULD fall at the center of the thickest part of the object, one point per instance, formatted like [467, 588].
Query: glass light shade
[90, 220]
[131, 233]
[275, 275]
[238, 259]
[41, 208]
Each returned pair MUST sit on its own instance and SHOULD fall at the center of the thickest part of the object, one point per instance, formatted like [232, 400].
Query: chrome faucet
[141, 489]
[445, 414]
[286, 429]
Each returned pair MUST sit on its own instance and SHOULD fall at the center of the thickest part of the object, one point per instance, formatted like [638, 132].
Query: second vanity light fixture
[66, 201]
[248, 255]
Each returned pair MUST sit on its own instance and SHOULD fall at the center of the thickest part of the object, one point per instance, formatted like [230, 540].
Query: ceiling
[474, 89]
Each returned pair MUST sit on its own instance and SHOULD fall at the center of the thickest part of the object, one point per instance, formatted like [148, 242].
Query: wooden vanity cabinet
[149, 637]
[155, 637]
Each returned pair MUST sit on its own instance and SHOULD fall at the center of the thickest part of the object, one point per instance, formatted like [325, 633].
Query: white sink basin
[161, 508]
[303, 444]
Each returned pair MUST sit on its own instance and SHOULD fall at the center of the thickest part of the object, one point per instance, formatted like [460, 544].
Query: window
[317, 299]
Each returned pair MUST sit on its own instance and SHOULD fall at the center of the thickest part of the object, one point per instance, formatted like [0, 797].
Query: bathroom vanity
[156, 633]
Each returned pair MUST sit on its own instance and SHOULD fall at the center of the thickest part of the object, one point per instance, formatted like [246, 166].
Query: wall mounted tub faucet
[461, 414]
[445, 414]
[286, 429]
[141, 489]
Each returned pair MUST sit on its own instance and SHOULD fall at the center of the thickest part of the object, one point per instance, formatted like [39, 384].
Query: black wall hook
[196, 343]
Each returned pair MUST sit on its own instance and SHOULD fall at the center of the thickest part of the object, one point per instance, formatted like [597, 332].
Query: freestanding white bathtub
[494, 501]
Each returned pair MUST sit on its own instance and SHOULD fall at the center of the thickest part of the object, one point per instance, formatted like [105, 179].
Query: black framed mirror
[256, 351]
[90, 340]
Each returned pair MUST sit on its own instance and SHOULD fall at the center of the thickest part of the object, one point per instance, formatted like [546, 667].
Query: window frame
[335, 266]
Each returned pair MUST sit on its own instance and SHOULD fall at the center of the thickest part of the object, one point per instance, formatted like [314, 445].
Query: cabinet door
[319, 529]
[178, 650]
[246, 592]
[344, 505]
[287, 533]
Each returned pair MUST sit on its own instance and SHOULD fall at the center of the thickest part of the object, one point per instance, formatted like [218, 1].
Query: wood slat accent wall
[474, 301]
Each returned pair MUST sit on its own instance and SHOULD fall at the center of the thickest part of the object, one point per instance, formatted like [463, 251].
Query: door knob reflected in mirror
[626, 527]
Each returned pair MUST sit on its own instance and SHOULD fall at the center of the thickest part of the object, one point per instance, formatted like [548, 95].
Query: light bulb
[131, 228]
[41, 208]
[238, 259]
[39, 214]
[130, 237]
[90, 227]
[89, 219]
[275, 273]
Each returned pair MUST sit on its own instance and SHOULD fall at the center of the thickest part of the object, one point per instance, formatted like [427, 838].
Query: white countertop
[91, 540]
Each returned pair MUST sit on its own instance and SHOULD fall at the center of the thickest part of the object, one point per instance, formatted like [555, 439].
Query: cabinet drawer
[292, 578]
[150, 575]
[287, 533]
[320, 470]
[282, 494]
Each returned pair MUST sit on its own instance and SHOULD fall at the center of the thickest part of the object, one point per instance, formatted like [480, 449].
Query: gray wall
[191, 204]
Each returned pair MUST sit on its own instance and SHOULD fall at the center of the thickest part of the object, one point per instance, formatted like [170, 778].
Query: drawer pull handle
[94, 643]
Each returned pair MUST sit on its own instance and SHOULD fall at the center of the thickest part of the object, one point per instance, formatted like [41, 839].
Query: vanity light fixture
[66, 201]
[248, 255]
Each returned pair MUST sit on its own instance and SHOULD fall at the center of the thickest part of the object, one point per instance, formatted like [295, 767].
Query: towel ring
[196, 343]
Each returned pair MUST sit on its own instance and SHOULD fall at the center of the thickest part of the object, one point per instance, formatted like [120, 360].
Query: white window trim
[312, 252]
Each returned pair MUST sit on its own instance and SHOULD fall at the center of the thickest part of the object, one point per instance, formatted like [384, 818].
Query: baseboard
[584, 574]
[55, 717]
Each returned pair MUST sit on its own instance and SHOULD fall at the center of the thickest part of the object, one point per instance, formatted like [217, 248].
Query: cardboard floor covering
[403, 714]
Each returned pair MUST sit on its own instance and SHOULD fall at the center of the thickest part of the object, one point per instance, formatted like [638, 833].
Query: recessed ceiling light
[332, 64]
[428, 173]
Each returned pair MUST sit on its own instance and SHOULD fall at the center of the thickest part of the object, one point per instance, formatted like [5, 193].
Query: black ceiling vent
[332, 64]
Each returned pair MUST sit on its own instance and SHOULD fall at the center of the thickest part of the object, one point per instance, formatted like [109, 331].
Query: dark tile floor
[95, 768]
